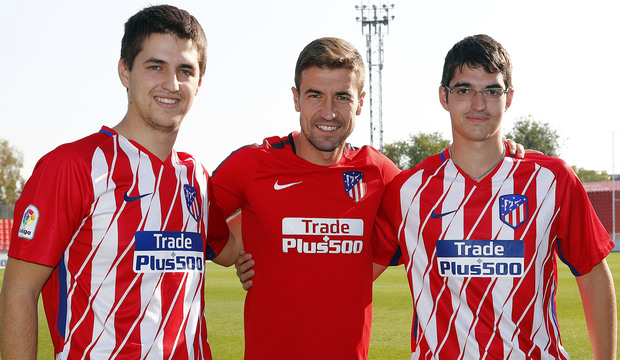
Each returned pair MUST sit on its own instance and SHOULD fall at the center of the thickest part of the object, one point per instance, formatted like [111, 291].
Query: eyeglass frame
[502, 90]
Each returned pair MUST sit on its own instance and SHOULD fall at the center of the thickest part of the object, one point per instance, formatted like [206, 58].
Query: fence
[5, 233]
[6, 223]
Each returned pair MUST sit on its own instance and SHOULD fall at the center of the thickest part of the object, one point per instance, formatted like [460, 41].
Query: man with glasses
[479, 231]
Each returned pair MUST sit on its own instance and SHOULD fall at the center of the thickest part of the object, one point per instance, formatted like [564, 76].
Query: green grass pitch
[392, 314]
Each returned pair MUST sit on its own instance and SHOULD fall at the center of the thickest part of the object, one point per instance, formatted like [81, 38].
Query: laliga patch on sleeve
[29, 222]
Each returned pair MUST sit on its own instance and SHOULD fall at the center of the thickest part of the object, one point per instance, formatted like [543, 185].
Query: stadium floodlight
[373, 29]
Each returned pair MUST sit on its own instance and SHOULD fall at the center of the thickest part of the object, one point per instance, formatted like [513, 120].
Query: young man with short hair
[114, 229]
[480, 231]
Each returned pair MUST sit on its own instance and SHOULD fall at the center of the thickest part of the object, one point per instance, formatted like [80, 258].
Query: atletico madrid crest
[193, 203]
[354, 184]
[513, 209]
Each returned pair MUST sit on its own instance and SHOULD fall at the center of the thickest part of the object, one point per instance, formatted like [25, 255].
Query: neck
[158, 143]
[308, 152]
[477, 159]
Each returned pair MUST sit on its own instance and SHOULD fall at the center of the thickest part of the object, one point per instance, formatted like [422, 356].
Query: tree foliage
[535, 135]
[526, 131]
[11, 181]
[591, 175]
[407, 153]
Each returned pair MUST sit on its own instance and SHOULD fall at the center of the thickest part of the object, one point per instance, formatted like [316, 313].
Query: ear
[199, 85]
[509, 95]
[123, 73]
[296, 99]
[360, 103]
[443, 97]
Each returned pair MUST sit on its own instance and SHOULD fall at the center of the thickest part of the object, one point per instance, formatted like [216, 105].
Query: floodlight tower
[374, 19]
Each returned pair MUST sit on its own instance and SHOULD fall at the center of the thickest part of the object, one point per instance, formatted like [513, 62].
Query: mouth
[327, 127]
[477, 117]
[167, 101]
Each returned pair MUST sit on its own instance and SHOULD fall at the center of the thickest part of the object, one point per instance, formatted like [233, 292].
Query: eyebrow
[162, 62]
[313, 91]
[319, 92]
[466, 84]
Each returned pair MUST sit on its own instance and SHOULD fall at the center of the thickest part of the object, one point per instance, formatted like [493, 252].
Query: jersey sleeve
[389, 170]
[217, 229]
[385, 248]
[582, 240]
[230, 179]
[53, 203]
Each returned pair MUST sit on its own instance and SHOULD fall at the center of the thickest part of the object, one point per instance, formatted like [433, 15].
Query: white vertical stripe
[454, 228]
[151, 302]
[502, 294]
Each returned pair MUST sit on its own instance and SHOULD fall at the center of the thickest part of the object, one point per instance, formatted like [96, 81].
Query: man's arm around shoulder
[230, 253]
[19, 298]
[599, 306]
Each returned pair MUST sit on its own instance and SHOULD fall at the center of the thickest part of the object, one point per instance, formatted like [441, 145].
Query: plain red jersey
[126, 235]
[481, 257]
[308, 227]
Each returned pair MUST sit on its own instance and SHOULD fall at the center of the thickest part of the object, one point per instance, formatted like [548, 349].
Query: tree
[535, 135]
[11, 182]
[591, 175]
[407, 153]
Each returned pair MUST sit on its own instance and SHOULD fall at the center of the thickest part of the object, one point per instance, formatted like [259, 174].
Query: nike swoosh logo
[134, 198]
[277, 186]
[434, 215]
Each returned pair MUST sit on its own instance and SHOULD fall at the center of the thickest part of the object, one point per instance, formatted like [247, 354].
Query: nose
[328, 111]
[171, 83]
[479, 102]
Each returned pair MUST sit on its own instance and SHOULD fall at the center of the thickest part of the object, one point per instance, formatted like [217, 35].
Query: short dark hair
[332, 53]
[478, 51]
[162, 19]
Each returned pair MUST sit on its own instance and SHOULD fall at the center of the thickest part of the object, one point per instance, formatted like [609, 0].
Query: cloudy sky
[60, 64]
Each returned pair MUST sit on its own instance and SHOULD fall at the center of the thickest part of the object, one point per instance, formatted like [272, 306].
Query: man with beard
[308, 202]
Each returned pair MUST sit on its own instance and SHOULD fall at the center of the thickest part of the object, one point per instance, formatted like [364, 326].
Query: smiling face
[475, 119]
[162, 83]
[327, 101]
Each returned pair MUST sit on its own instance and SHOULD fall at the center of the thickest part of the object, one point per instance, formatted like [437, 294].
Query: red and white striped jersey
[481, 257]
[126, 235]
[308, 228]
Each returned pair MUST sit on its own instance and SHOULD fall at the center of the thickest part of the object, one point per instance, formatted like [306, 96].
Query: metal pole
[379, 93]
[370, 98]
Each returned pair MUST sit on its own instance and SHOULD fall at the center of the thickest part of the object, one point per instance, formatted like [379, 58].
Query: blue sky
[61, 83]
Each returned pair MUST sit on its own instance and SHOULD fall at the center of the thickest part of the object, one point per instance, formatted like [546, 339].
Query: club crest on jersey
[192, 201]
[513, 210]
[354, 184]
